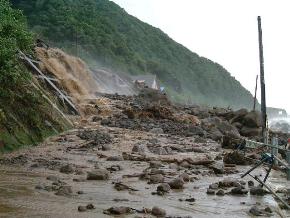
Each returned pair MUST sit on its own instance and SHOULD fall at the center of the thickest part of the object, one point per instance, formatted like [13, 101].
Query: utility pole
[255, 98]
[262, 80]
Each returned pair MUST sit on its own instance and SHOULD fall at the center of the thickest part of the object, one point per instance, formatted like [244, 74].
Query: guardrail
[275, 148]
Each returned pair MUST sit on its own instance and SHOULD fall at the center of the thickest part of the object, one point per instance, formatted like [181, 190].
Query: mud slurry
[128, 165]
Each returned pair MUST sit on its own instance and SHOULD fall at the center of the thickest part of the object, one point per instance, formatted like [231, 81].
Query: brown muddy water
[19, 198]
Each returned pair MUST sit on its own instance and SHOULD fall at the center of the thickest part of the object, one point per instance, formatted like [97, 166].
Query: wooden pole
[255, 98]
[262, 80]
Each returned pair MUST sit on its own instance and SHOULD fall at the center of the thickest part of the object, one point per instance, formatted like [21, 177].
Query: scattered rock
[82, 208]
[118, 211]
[235, 157]
[140, 148]
[98, 174]
[191, 200]
[268, 210]
[90, 207]
[185, 177]
[176, 183]
[115, 158]
[210, 191]
[155, 164]
[156, 211]
[39, 187]
[251, 183]
[106, 147]
[256, 211]
[220, 192]
[115, 168]
[67, 169]
[217, 167]
[155, 179]
[64, 191]
[173, 166]
[164, 188]
[258, 191]
[52, 178]
[157, 131]
[214, 186]
[239, 191]
[121, 187]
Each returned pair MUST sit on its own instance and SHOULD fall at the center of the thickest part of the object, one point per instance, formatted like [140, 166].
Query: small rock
[156, 211]
[185, 164]
[140, 148]
[115, 158]
[98, 174]
[190, 200]
[258, 191]
[251, 183]
[220, 193]
[157, 131]
[239, 191]
[218, 168]
[155, 179]
[82, 208]
[210, 191]
[115, 168]
[173, 166]
[159, 150]
[155, 164]
[79, 179]
[106, 147]
[214, 186]
[90, 207]
[185, 177]
[52, 178]
[64, 191]
[39, 187]
[164, 187]
[268, 210]
[118, 210]
[256, 211]
[68, 169]
[176, 183]
[80, 192]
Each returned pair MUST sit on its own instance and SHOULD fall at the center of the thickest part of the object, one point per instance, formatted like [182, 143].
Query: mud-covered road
[99, 170]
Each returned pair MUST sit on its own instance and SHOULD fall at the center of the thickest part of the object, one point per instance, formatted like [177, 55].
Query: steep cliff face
[104, 35]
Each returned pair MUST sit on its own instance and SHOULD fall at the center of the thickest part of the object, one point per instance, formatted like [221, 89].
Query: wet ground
[50, 180]
[19, 196]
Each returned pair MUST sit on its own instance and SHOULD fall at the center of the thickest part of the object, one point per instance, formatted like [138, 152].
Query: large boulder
[239, 116]
[253, 119]
[250, 132]
[227, 129]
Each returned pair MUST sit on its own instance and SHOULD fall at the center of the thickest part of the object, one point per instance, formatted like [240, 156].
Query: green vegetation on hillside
[103, 33]
[23, 111]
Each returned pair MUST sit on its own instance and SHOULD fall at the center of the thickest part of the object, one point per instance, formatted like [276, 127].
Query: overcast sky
[225, 31]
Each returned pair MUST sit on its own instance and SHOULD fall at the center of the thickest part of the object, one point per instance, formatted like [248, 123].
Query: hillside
[103, 34]
[25, 115]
